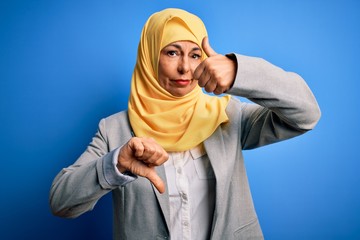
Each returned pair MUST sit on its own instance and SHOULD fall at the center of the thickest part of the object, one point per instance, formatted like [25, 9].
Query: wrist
[120, 167]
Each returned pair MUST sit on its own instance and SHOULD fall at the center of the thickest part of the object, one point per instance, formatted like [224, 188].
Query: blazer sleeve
[285, 106]
[77, 188]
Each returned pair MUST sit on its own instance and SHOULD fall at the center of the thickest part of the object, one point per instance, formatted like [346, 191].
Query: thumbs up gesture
[216, 73]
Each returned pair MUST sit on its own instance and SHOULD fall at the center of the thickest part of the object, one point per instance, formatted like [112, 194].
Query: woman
[173, 161]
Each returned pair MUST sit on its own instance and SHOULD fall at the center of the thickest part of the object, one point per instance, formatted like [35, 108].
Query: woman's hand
[140, 156]
[216, 73]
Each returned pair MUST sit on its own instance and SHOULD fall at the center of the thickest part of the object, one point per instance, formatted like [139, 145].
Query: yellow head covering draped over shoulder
[176, 123]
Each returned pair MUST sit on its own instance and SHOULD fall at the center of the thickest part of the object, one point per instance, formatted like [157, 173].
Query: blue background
[66, 64]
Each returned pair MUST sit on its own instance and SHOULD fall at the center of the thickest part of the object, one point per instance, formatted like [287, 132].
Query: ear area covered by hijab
[176, 123]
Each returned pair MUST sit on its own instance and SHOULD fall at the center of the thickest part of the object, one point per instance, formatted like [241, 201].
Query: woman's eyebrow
[176, 46]
[180, 48]
[196, 49]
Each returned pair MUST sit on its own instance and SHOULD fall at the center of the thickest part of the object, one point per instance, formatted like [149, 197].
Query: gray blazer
[285, 107]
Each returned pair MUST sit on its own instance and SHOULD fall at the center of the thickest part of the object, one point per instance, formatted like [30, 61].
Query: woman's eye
[196, 56]
[171, 53]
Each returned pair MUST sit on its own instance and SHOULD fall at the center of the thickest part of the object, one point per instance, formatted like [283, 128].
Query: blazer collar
[163, 198]
[216, 151]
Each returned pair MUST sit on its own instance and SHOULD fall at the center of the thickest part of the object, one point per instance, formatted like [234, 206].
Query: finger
[199, 71]
[141, 169]
[219, 90]
[207, 48]
[204, 75]
[144, 170]
[156, 180]
[158, 158]
[210, 86]
[137, 147]
[153, 153]
[149, 151]
[151, 157]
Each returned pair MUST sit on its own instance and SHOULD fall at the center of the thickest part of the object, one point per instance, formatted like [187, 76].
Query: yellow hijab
[176, 123]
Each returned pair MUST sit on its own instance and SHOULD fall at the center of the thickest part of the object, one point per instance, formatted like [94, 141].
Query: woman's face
[177, 63]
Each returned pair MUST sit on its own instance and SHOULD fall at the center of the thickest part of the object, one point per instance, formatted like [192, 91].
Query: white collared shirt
[191, 184]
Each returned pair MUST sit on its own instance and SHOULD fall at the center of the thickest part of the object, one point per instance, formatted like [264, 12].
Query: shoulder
[240, 112]
[116, 117]
[116, 129]
[234, 107]
[117, 121]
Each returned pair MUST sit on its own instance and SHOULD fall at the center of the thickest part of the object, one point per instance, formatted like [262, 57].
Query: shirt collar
[198, 151]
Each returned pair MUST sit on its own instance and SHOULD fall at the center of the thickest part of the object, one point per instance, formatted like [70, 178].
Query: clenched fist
[140, 156]
[216, 73]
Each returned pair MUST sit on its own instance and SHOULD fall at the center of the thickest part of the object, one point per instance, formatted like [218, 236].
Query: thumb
[207, 48]
[156, 180]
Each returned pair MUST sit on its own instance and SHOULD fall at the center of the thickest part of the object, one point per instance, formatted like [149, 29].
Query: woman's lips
[182, 82]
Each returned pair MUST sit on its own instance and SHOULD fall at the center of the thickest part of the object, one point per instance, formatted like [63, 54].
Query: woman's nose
[184, 65]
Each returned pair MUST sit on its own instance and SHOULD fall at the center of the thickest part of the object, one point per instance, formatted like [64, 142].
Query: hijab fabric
[176, 123]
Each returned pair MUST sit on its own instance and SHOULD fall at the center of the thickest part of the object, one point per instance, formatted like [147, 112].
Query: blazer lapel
[216, 151]
[163, 198]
